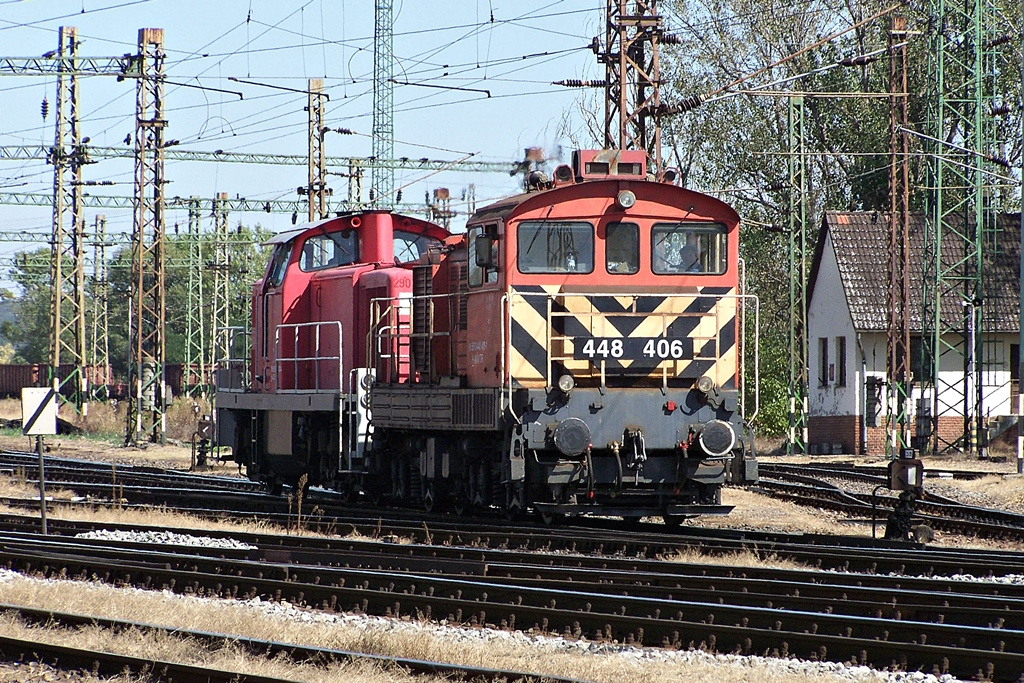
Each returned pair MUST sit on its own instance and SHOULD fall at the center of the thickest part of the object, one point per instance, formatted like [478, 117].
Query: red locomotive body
[578, 349]
[288, 411]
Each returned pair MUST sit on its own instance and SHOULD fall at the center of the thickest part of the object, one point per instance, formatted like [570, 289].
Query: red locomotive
[576, 350]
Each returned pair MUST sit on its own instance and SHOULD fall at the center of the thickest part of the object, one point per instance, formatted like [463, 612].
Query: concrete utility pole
[147, 317]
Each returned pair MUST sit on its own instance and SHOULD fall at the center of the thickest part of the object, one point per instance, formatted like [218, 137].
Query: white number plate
[632, 348]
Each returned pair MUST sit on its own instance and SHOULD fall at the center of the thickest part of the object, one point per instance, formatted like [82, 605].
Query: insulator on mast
[577, 83]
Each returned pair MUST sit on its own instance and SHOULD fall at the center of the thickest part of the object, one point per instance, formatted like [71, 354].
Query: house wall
[835, 407]
[845, 428]
[832, 389]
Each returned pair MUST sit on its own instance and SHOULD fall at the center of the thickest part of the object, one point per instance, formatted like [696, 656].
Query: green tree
[735, 144]
[29, 332]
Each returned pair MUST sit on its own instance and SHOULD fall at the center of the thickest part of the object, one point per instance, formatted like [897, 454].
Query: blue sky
[512, 50]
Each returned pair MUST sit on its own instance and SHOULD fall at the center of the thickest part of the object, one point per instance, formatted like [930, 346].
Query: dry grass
[1004, 491]
[757, 511]
[227, 657]
[377, 636]
[106, 421]
[16, 486]
[747, 557]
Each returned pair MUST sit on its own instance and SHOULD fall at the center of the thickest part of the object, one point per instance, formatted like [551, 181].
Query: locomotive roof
[503, 207]
[287, 235]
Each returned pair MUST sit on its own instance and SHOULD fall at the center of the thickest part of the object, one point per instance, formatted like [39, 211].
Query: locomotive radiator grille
[633, 338]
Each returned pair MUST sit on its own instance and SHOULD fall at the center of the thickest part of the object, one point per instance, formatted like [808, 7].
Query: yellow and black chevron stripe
[554, 332]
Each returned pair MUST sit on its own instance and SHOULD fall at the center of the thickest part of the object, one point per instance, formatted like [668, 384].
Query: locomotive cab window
[622, 248]
[279, 264]
[329, 250]
[555, 247]
[688, 248]
[409, 246]
[483, 255]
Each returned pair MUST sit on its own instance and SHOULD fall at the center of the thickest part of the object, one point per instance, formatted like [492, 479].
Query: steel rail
[101, 663]
[626, 618]
[296, 652]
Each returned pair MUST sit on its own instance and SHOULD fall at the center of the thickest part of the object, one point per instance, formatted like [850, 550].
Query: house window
[1014, 362]
[840, 361]
[823, 366]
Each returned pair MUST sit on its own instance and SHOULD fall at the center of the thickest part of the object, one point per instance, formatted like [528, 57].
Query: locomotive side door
[481, 341]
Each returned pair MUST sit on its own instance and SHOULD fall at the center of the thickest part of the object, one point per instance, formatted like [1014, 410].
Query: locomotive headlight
[717, 438]
[566, 384]
[705, 384]
[625, 199]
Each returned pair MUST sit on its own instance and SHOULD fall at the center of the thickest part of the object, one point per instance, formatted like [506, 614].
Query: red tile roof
[860, 241]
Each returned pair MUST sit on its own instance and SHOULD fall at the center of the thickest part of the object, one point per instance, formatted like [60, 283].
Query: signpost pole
[42, 482]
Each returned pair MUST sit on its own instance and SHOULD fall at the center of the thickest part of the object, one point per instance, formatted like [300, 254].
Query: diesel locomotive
[578, 349]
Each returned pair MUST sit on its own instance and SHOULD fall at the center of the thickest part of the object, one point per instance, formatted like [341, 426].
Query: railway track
[105, 663]
[939, 512]
[221, 497]
[933, 624]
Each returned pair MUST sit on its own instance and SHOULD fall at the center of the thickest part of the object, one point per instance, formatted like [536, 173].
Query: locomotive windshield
[410, 245]
[279, 263]
[556, 247]
[622, 248]
[688, 248]
[329, 250]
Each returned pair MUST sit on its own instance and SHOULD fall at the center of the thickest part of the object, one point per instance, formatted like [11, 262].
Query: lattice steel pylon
[961, 146]
[196, 381]
[147, 316]
[67, 268]
[316, 188]
[798, 413]
[632, 78]
[100, 360]
[382, 176]
[898, 388]
[220, 322]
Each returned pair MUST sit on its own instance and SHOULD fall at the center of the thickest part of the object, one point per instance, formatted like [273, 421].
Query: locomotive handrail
[313, 361]
[231, 371]
[390, 310]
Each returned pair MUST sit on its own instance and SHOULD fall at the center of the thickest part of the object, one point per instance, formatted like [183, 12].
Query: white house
[846, 335]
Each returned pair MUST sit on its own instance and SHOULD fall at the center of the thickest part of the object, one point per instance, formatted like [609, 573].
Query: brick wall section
[845, 430]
